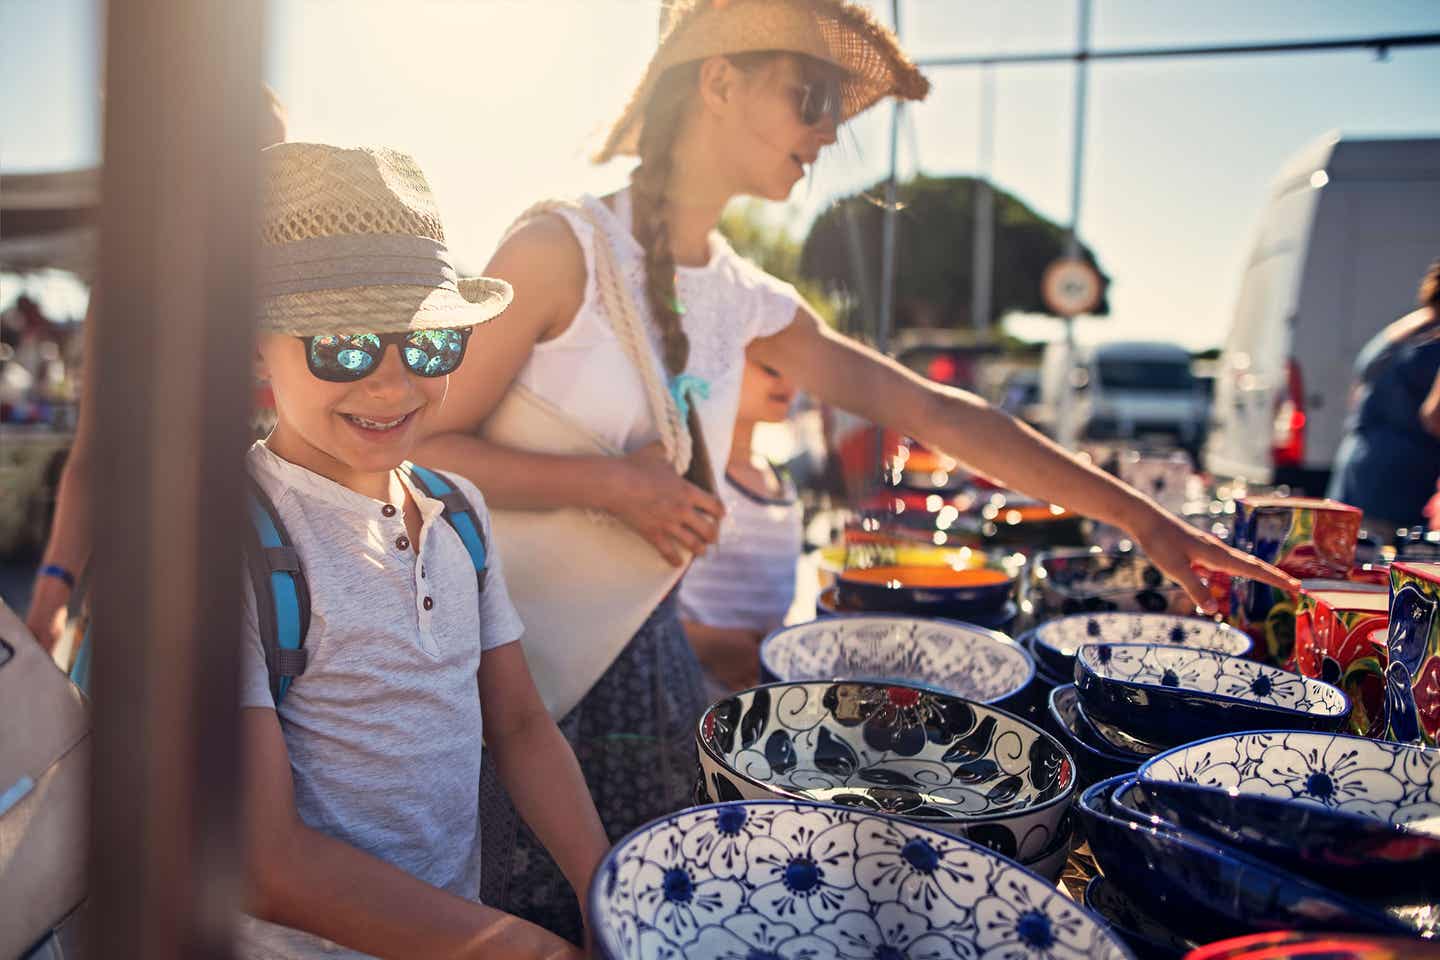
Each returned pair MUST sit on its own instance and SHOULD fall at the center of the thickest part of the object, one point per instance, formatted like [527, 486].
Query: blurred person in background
[68, 550]
[1388, 462]
[742, 587]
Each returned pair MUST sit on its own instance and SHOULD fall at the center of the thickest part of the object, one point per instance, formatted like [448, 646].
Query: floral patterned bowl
[960, 766]
[804, 881]
[1354, 813]
[954, 658]
[1056, 642]
[1170, 695]
[1204, 890]
[1063, 582]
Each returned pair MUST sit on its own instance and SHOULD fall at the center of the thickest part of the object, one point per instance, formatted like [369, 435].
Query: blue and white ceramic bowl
[1063, 582]
[1168, 695]
[954, 658]
[1148, 937]
[1204, 890]
[960, 766]
[1093, 761]
[1357, 814]
[804, 881]
[1056, 642]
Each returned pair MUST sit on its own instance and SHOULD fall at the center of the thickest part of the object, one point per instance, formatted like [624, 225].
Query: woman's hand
[671, 513]
[46, 617]
[1176, 548]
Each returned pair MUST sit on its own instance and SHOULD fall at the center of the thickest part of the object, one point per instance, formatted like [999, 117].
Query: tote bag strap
[680, 433]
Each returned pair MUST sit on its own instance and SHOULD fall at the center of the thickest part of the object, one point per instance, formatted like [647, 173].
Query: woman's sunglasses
[347, 357]
[818, 100]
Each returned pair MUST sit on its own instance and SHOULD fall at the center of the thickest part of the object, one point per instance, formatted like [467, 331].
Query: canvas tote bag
[44, 790]
[582, 581]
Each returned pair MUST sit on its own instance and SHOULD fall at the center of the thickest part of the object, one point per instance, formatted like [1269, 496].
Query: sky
[501, 101]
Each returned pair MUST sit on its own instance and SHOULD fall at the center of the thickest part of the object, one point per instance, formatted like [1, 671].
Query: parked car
[1123, 390]
[1350, 227]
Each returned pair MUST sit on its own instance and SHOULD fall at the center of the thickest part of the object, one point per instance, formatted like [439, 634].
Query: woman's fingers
[706, 503]
[661, 540]
[1232, 561]
[702, 525]
[1196, 588]
[687, 538]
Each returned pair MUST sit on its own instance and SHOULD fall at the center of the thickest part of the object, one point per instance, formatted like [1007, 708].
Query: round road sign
[1070, 287]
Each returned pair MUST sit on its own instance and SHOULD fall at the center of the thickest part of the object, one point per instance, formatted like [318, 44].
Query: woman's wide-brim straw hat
[351, 242]
[833, 31]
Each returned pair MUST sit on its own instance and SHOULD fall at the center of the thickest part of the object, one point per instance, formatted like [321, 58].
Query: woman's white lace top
[728, 302]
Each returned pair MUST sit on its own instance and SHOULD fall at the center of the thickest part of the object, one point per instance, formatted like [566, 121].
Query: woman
[740, 98]
[1389, 458]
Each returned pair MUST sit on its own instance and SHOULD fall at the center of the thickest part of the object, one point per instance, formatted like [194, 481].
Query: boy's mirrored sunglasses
[347, 357]
[820, 99]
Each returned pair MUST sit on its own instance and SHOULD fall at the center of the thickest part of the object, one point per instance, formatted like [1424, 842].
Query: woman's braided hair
[664, 116]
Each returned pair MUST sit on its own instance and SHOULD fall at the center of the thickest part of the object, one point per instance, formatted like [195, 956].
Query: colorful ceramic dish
[1057, 641]
[954, 658]
[1354, 813]
[805, 881]
[1171, 695]
[961, 766]
[1201, 890]
[1412, 676]
[1295, 945]
[1340, 638]
[926, 591]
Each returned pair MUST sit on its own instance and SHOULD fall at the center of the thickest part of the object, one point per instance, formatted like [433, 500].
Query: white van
[1350, 228]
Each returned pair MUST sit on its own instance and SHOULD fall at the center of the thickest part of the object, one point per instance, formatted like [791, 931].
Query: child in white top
[741, 589]
[362, 783]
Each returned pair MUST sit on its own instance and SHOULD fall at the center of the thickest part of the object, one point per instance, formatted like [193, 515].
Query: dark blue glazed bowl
[1093, 762]
[828, 605]
[966, 594]
[1203, 890]
[1346, 811]
[1043, 673]
[1148, 937]
[1168, 695]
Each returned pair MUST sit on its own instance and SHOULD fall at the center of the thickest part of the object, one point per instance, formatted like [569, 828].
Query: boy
[362, 780]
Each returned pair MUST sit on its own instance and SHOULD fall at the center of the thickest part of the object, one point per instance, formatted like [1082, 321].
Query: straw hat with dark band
[352, 243]
[832, 31]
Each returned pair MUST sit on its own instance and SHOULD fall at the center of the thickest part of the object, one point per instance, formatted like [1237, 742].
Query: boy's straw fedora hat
[352, 243]
[832, 31]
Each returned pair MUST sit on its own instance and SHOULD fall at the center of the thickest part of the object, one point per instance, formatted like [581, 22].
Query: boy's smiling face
[352, 433]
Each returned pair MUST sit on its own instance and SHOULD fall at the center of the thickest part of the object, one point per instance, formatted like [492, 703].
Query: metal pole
[1381, 44]
[887, 242]
[171, 391]
[983, 248]
[886, 314]
[1066, 427]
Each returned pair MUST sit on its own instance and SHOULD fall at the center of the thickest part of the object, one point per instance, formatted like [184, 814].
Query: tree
[934, 238]
[770, 244]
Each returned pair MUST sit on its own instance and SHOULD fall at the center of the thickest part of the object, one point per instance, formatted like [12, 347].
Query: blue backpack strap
[458, 512]
[282, 597]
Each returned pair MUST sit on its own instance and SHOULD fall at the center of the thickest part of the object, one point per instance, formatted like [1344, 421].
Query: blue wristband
[59, 573]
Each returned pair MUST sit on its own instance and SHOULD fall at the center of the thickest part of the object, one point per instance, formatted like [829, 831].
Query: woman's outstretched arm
[859, 379]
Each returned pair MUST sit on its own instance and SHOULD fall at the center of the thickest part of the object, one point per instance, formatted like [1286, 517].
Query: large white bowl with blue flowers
[1168, 695]
[967, 768]
[1358, 814]
[801, 881]
[955, 658]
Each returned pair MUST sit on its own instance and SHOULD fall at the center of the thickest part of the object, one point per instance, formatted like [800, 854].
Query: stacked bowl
[1272, 830]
